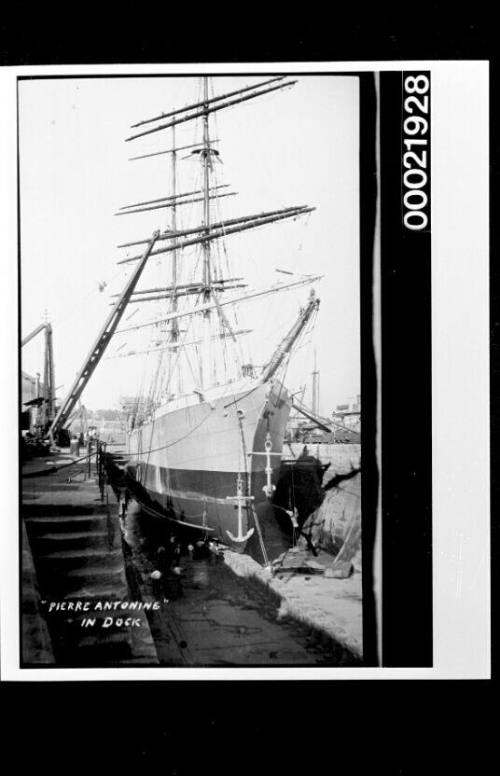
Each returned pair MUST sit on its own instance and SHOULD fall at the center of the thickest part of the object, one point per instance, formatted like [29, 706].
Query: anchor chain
[204, 516]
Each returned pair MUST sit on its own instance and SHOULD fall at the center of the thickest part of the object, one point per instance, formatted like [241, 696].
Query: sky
[291, 147]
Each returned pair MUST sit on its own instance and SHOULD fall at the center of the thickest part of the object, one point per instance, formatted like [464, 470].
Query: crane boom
[33, 334]
[46, 415]
[100, 344]
[325, 424]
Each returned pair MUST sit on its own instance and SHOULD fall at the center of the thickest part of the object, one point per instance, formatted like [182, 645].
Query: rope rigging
[171, 368]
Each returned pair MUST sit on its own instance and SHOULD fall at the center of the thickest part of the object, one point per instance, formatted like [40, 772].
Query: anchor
[240, 501]
[268, 488]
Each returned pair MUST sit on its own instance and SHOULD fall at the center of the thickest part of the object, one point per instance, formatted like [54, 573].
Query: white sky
[297, 146]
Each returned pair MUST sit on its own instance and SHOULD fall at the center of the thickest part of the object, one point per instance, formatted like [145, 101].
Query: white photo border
[460, 376]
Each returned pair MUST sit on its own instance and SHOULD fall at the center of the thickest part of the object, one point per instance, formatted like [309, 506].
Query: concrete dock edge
[300, 603]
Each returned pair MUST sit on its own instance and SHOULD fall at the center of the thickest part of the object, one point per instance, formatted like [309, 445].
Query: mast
[206, 192]
[206, 359]
[48, 378]
[175, 326]
[207, 231]
[315, 387]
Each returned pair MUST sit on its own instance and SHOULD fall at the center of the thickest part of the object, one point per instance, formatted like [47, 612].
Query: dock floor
[328, 605]
[222, 619]
[227, 611]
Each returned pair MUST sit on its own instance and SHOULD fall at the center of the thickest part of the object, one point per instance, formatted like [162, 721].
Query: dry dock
[330, 607]
[227, 610]
[224, 617]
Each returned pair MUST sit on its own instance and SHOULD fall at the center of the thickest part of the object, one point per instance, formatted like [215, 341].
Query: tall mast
[315, 387]
[206, 191]
[206, 359]
[49, 386]
[175, 328]
[203, 235]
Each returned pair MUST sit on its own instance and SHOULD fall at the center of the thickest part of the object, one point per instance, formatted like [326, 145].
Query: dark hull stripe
[200, 498]
[198, 484]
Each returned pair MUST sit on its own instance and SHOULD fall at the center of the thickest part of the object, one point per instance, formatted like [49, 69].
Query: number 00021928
[415, 169]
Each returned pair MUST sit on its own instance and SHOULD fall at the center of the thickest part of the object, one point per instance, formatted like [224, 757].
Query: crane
[48, 397]
[325, 424]
[98, 348]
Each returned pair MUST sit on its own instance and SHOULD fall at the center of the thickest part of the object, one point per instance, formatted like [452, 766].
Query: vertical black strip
[406, 406]
[369, 480]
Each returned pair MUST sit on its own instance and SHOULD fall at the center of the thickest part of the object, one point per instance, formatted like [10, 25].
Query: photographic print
[201, 451]
[229, 449]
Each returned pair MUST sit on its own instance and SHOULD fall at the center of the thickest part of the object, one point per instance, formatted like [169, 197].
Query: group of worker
[166, 579]
[87, 440]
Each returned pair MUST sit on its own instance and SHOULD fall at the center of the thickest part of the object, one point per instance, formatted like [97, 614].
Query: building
[31, 400]
[349, 414]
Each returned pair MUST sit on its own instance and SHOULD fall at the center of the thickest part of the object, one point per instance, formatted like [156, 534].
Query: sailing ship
[206, 449]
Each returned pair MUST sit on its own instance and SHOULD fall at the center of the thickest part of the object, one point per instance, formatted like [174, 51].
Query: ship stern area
[212, 465]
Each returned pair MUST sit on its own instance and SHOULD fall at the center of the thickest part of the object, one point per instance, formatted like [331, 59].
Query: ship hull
[188, 459]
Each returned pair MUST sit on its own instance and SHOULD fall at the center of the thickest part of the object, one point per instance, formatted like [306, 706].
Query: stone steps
[77, 551]
[86, 582]
[69, 523]
[73, 540]
[87, 559]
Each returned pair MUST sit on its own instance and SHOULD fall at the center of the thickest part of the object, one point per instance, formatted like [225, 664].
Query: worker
[214, 552]
[176, 586]
[177, 553]
[170, 550]
[162, 559]
[122, 506]
[201, 549]
[157, 585]
[74, 445]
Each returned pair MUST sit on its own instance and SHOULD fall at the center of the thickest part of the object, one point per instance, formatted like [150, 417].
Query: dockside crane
[48, 397]
[98, 348]
[325, 424]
